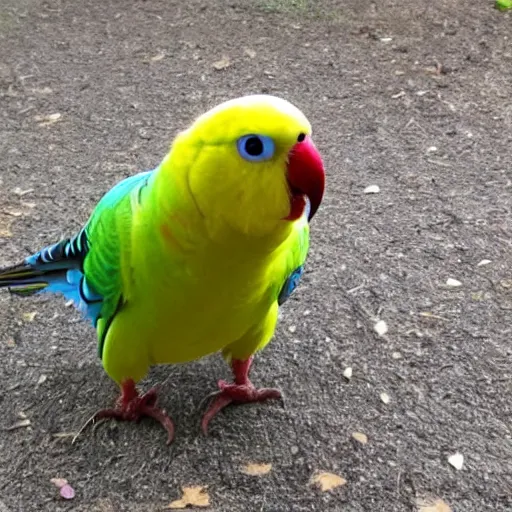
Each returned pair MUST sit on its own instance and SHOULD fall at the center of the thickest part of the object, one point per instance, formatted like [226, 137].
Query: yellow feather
[209, 249]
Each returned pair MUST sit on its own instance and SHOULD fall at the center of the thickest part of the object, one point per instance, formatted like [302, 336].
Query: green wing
[108, 234]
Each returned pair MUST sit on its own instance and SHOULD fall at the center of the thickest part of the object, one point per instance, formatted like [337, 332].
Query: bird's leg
[240, 392]
[133, 407]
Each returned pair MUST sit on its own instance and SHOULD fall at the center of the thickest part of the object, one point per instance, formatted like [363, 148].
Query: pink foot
[133, 407]
[241, 392]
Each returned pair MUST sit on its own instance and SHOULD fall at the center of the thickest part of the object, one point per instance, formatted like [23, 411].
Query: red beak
[306, 177]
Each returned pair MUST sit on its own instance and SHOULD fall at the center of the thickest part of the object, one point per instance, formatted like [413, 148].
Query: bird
[194, 257]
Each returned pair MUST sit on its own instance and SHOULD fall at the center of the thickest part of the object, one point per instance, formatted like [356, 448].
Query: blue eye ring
[256, 148]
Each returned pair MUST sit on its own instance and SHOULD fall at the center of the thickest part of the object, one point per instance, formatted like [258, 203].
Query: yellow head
[252, 164]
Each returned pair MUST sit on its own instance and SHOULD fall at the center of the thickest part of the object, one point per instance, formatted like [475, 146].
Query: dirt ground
[414, 97]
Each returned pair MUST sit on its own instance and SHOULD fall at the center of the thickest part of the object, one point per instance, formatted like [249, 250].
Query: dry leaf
[360, 437]
[19, 192]
[29, 317]
[254, 469]
[5, 228]
[327, 481]
[41, 380]
[19, 424]
[12, 213]
[427, 314]
[250, 53]
[432, 505]
[59, 482]
[196, 496]
[158, 57]
[48, 120]
[222, 63]
[44, 90]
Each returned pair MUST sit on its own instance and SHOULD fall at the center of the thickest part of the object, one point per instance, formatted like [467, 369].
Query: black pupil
[254, 146]
[301, 137]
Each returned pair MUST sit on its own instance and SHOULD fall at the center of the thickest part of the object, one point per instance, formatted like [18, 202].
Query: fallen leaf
[59, 482]
[19, 192]
[196, 496]
[12, 213]
[44, 90]
[158, 57]
[327, 481]
[347, 373]
[478, 296]
[222, 63]
[432, 505]
[48, 120]
[29, 317]
[360, 437]
[456, 460]
[427, 314]
[250, 53]
[11, 343]
[372, 189]
[254, 469]
[41, 380]
[385, 398]
[5, 228]
[381, 327]
[19, 424]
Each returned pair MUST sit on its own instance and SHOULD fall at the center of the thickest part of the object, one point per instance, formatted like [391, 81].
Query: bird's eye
[256, 148]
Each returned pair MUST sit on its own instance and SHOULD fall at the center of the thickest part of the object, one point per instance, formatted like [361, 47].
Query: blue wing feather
[58, 268]
[290, 284]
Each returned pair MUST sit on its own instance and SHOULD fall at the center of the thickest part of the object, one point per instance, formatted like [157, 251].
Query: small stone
[347, 373]
[385, 398]
[453, 283]
[456, 460]
[372, 189]
[381, 328]
[483, 262]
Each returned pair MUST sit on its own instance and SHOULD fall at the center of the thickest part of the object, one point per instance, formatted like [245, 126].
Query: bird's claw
[133, 407]
[237, 394]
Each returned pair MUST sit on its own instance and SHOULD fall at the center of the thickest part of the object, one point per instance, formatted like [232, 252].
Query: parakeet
[195, 256]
